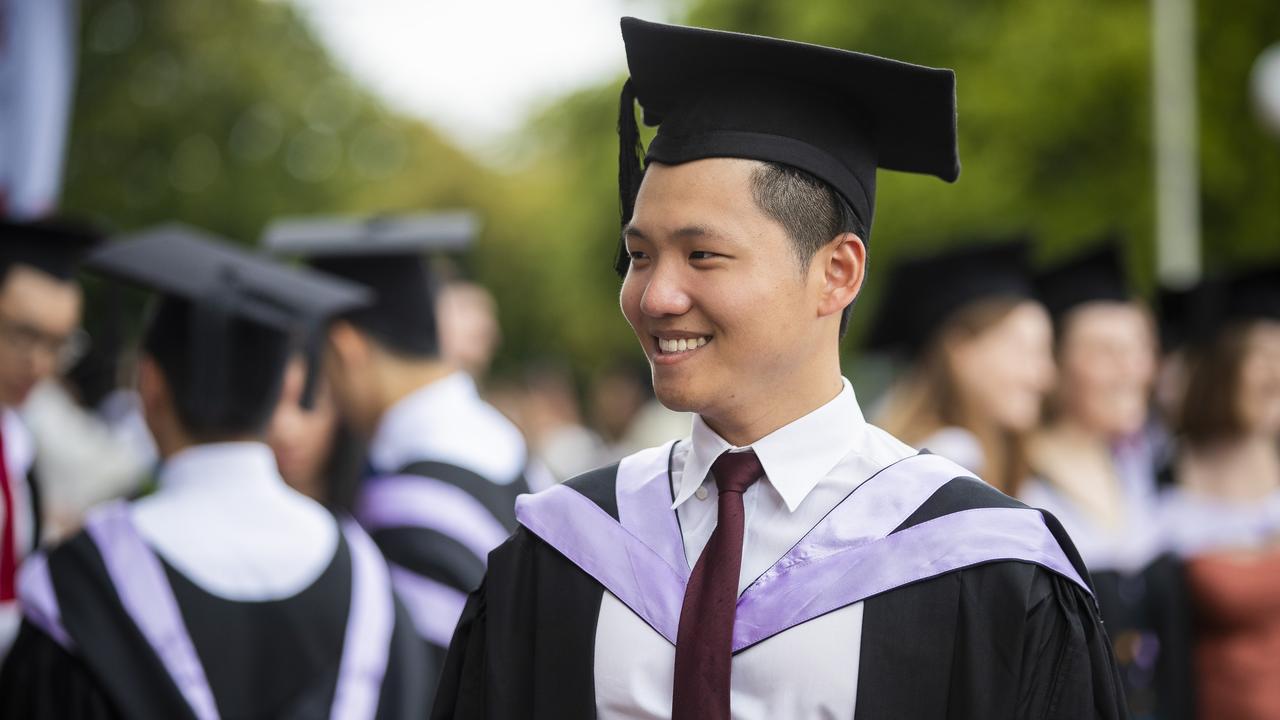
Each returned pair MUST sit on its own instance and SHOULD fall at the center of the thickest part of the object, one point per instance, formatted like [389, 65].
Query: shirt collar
[795, 457]
[231, 464]
[397, 440]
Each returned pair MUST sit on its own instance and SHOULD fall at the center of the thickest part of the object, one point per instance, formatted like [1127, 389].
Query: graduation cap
[1096, 275]
[388, 254]
[51, 246]
[1249, 295]
[1179, 311]
[223, 284]
[835, 114]
[924, 293]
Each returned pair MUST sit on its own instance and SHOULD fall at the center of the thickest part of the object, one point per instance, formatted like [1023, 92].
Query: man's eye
[701, 255]
[637, 255]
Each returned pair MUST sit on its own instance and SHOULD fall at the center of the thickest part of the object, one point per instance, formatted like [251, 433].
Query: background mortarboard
[923, 293]
[388, 254]
[51, 246]
[835, 114]
[222, 282]
[1095, 275]
[1252, 294]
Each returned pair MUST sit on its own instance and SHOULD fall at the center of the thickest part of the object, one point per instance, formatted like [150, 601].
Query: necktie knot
[736, 471]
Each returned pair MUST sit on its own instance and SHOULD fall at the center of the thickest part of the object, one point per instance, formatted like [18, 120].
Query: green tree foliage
[228, 113]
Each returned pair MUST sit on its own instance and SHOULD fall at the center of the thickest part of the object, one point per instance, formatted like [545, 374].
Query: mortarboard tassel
[630, 171]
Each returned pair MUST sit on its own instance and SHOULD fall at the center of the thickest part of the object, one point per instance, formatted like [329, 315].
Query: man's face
[714, 292]
[39, 315]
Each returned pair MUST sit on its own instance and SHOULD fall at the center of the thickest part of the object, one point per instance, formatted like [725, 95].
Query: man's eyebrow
[688, 231]
[632, 231]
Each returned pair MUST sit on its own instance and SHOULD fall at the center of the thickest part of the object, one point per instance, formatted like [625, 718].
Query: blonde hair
[930, 397]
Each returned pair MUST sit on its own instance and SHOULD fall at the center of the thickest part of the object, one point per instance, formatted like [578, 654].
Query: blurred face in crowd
[39, 329]
[468, 322]
[1258, 396]
[303, 439]
[1004, 371]
[734, 328]
[1107, 362]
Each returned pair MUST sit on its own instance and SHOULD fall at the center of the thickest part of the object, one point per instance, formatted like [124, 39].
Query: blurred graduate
[40, 305]
[1223, 512]
[224, 593]
[443, 467]
[788, 559]
[1095, 470]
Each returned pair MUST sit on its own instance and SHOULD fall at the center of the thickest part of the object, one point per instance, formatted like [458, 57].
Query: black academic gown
[996, 640]
[435, 554]
[268, 659]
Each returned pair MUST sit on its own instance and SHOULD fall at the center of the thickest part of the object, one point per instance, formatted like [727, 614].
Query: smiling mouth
[682, 345]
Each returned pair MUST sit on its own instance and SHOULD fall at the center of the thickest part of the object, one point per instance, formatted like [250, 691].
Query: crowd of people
[283, 500]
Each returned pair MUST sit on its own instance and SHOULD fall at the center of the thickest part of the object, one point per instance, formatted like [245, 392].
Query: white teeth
[681, 345]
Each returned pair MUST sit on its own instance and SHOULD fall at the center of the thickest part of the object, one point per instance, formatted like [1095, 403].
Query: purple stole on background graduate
[849, 556]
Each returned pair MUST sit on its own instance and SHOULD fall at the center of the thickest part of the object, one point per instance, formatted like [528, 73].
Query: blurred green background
[225, 114]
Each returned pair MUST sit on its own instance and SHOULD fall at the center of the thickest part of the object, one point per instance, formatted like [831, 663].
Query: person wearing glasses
[40, 333]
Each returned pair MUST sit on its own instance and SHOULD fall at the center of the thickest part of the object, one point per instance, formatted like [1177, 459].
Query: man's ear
[843, 264]
[153, 388]
[349, 349]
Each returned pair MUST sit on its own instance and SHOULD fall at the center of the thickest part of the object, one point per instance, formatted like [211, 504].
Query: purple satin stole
[848, 557]
[144, 591]
[416, 501]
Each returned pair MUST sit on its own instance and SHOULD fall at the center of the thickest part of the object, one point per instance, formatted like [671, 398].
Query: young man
[444, 467]
[788, 559]
[224, 593]
[39, 334]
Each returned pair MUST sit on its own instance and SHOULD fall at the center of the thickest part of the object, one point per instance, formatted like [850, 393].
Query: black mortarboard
[223, 283]
[1179, 311]
[923, 293]
[389, 255]
[835, 114]
[1250, 295]
[51, 246]
[1096, 275]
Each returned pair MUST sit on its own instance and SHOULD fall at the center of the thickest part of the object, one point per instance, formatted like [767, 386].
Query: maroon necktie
[704, 643]
[8, 534]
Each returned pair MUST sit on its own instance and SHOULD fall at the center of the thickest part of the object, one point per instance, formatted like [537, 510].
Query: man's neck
[398, 379]
[781, 408]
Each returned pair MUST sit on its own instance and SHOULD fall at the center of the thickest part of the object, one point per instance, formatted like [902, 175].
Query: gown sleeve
[42, 680]
[1069, 668]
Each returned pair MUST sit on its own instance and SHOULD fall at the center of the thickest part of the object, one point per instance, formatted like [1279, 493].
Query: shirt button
[701, 493]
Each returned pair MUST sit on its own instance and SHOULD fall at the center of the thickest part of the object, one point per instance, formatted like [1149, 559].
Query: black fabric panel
[499, 500]
[1001, 640]
[409, 685]
[37, 507]
[116, 654]
[525, 647]
[600, 487]
[41, 681]
[962, 493]
[274, 658]
[432, 554]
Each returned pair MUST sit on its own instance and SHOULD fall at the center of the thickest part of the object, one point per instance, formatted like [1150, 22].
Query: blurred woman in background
[980, 347]
[1224, 514]
[1094, 471]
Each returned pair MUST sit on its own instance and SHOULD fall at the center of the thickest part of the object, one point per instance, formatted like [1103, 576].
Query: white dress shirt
[448, 421]
[224, 518]
[809, 671]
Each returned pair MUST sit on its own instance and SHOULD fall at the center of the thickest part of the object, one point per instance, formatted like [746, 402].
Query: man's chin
[679, 397]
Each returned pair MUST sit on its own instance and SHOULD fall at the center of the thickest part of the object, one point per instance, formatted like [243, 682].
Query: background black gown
[1000, 640]
[267, 659]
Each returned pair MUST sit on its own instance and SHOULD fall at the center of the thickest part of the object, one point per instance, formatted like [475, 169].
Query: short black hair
[809, 209]
[254, 357]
